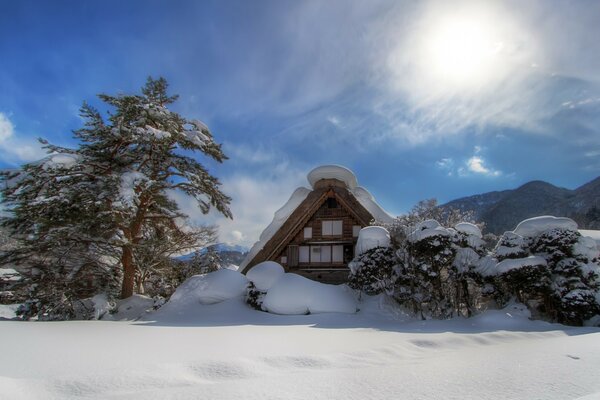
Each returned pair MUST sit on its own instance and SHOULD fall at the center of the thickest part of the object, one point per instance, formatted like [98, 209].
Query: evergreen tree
[97, 201]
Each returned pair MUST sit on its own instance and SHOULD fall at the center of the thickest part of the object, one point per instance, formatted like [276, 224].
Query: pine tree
[98, 200]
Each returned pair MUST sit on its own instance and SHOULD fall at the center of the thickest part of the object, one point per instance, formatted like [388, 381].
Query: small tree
[373, 271]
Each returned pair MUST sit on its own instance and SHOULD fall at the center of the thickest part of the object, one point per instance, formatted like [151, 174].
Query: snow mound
[128, 309]
[535, 226]
[469, 229]
[371, 237]
[265, 274]
[294, 294]
[60, 160]
[510, 264]
[586, 247]
[426, 229]
[332, 172]
[211, 288]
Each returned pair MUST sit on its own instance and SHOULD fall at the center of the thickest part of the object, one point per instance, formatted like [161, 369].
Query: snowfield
[229, 351]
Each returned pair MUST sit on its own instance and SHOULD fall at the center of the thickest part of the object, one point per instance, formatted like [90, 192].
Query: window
[284, 260]
[337, 254]
[304, 254]
[307, 233]
[332, 228]
[355, 230]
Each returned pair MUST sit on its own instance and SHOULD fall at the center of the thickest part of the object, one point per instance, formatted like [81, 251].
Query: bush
[373, 271]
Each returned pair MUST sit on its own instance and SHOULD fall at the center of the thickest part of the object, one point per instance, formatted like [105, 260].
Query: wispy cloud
[256, 197]
[16, 148]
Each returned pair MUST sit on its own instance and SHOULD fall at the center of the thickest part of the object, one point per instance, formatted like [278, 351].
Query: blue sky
[420, 99]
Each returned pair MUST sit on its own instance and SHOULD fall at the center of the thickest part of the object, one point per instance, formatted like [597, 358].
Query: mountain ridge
[503, 210]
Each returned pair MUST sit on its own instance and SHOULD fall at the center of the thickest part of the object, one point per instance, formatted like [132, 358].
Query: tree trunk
[128, 272]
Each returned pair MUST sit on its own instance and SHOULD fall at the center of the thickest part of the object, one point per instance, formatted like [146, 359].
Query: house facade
[317, 238]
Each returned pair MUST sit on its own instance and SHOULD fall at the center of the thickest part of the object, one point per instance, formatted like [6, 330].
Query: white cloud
[255, 198]
[16, 148]
[6, 128]
[476, 164]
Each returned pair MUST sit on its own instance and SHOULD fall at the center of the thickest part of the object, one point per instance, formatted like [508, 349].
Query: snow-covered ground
[229, 351]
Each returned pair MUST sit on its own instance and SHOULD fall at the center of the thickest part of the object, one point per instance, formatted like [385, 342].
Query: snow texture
[60, 160]
[8, 311]
[534, 226]
[325, 172]
[594, 234]
[9, 275]
[469, 229]
[487, 266]
[210, 288]
[294, 294]
[229, 351]
[131, 308]
[371, 237]
[427, 229]
[586, 247]
[516, 263]
[332, 172]
[265, 274]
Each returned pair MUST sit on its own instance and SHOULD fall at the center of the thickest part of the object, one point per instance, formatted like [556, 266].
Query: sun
[462, 50]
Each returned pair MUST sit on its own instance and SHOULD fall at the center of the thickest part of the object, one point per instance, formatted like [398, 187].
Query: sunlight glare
[462, 50]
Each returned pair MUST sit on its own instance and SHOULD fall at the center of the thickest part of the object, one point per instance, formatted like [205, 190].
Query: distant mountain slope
[502, 211]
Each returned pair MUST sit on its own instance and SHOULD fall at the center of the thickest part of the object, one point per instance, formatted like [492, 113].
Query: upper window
[332, 228]
[307, 233]
[332, 203]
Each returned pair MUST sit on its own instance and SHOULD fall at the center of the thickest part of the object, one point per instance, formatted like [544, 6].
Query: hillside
[503, 210]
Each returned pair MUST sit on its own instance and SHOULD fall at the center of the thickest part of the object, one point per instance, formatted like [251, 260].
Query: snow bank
[295, 294]
[332, 172]
[8, 311]
[128, 309]
[469, 229]
[586, 247]
[210, 288]
[265, 274]
[371, 237]
[279, 219]
[510, 264]
[535, 226]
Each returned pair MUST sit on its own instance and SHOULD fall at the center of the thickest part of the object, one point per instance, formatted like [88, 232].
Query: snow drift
[210, 288]
[265, 274]
[294, 294]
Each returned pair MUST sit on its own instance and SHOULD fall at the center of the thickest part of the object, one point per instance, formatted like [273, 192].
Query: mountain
[502, 211]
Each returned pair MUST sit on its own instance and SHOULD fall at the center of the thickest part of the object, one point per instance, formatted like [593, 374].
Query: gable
[295, 223]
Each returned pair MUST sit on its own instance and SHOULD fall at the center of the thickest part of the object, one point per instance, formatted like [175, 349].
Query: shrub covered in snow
[295, 294]
[373, 271]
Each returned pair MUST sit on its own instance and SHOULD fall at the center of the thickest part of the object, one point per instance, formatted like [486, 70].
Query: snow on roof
[279, 219]
[534, 226]
[332, 172]
[324, 172]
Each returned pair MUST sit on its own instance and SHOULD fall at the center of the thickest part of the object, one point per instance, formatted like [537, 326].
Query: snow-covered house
[314, 234]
